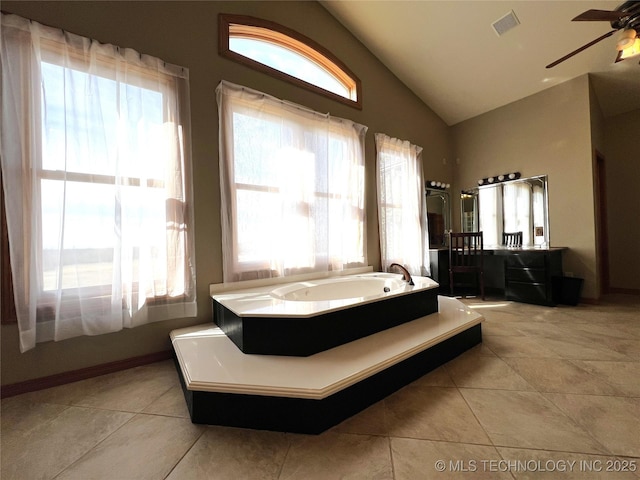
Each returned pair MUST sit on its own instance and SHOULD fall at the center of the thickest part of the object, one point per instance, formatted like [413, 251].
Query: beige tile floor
[550, 393]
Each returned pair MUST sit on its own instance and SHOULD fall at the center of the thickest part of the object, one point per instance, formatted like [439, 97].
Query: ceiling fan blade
[599, 15]
[584, 47]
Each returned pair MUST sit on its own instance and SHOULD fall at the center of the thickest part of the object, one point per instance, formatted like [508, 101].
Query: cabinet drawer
[525, 274]
[531, 260]
[528, 293]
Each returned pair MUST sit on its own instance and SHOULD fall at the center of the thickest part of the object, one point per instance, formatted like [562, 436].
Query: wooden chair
[465, 256]
[513, 239]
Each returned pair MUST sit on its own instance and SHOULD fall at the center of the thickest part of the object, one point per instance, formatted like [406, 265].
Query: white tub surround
[313, 297]
[307, 317]
[224, 386]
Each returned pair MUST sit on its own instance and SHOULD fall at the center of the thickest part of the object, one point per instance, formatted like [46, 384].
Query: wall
[185, 33]
[598, 148]
[546, 133]
[622, 165]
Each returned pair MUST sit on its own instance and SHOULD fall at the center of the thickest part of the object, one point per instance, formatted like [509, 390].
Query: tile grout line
[204, 430]
[391, 461]
[286, 455]
[100, 442]
[476, 417]
[543, 394]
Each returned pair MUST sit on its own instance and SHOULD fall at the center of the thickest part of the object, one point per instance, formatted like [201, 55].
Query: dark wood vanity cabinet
[524, 275]
[528, 276]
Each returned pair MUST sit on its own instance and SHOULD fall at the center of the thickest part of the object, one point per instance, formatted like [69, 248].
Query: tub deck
[224, 386]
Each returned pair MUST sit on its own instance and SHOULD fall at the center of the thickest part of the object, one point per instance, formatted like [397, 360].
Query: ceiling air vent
[506, 23]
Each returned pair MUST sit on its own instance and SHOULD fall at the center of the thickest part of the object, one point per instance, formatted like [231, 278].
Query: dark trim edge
[81, 374]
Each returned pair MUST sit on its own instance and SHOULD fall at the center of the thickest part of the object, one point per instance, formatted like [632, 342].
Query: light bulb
[480, 182]
[631, 51]
[627, 39]
[501, 177]
[490, 179]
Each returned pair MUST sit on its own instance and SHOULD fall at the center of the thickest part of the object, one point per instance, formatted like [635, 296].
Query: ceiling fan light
[627, 39]
[631, 51]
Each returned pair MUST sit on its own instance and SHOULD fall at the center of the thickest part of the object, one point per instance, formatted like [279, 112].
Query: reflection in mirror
[438, 216]
[469, 211]
[513, 206]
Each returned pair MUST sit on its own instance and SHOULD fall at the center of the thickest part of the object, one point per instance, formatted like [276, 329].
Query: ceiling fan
[625, 17]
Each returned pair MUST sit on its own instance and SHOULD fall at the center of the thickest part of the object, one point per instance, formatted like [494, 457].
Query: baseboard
[311, 415]
[626, 291]
[610, 291]
[81, 374]
[590, 301]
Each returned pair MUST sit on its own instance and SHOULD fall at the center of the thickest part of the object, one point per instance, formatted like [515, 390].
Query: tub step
[224, 386]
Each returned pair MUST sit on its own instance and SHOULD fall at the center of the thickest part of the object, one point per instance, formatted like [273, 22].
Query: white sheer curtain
[96, 171]
[490, 207]
[402, 210]
[517, 210]
[292, 183]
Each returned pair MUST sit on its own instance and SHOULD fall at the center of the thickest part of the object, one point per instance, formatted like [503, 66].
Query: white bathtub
[313, 297]
[360, 286]
[305, 317]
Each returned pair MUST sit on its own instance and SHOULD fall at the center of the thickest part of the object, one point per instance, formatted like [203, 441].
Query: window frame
[289, 39]
[235, 268]
[138, 79]
[47, 299]
[395, 156]
[252, 266]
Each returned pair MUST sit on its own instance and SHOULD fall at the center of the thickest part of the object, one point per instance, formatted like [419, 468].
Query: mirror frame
[472, 196]
[474, 192]
[446, 208]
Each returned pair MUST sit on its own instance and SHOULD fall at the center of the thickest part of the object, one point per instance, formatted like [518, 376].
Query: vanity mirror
[438, 216]
[512, 206]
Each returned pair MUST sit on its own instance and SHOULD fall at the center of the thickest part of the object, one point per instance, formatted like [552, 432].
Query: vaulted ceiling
[448, 53]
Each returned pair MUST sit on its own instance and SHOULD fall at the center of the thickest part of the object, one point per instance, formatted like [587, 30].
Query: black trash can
[567, 290]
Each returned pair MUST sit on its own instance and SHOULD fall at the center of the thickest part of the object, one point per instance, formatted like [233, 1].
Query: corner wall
[622, 164]
[546, 133]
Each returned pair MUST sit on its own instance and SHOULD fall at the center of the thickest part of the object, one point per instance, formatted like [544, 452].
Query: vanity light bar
[436, 185]
[500, 178]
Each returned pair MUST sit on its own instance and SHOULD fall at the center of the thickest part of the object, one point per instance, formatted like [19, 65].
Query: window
[98, 185]
[292, 183]
[402, 210]
[287, 54]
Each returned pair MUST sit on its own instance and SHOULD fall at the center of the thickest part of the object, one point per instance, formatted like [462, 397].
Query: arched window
[289, 55]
